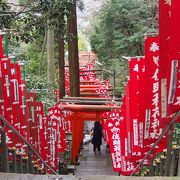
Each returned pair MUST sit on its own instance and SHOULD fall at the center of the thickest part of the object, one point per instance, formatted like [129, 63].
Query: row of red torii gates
[87, 108]
[80, 114]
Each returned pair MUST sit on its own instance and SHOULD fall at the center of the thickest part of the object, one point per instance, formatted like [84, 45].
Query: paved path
[91, 164]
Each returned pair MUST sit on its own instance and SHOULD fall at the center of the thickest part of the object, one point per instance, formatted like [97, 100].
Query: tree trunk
[50, 55]
[61, 68]
[73, 51]
[42, 53]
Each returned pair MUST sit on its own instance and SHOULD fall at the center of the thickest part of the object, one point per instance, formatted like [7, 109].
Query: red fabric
[164, 35]
[113, 133]
[5, 70]
[56, 135]
[152, 122]
[164, 32]
[126, 165]
[156, 124]
[142, 100]
[53, 137]
[174, 60]
[133, 85]
[14, 86]
[6, 95]
[128, 124]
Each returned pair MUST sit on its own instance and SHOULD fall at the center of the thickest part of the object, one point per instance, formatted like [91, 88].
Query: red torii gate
[81, 113]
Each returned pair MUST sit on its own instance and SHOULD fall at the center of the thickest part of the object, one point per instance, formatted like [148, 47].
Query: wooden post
[178, 169]
[25, 161]
[173, 163]
[157, 173]
[73, 51]
[35, 169]
[168, 156]
[13, 151]
[162, 165]
[5, 155]
[21, 164]
[14, 161]
[30, 164]
[151, 167]
[140, 172]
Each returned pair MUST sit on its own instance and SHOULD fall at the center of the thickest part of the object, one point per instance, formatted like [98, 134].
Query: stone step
[13, 176]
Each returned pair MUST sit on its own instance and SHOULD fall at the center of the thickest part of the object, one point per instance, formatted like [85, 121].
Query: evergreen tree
[119, 31]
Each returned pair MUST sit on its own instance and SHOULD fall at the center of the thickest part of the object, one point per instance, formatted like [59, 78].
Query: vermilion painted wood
[89, 108]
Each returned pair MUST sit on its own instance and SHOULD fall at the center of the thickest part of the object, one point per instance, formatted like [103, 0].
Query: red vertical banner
[128, 123]
[164, 39]
[22, 108]
[63, 143]
[123, 128]
[142, 97]
[5, 70]
[53, 136]
[153, 121]
[174, 60]
[126, 165]
[33, 120]
[48, 136]
[14, 85]
[43, 142]
[152, 117]
[63, 126]
[134, 103]
[29, 116]
[65, 115]
[6, 95]
[46, 143]
[59, 135]
[39, 119]
[15, 82]
[113, 133]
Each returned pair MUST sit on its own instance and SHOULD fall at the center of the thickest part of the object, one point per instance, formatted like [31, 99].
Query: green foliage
[31, 18]
[119, 29]
[29, 24]
[32, 53]
[45, 90]
[82, 43]
[5, 16]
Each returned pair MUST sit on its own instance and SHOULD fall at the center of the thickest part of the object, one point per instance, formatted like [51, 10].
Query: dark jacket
[97, 134]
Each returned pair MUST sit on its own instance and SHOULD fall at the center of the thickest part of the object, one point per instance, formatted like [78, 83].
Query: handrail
[177, 115]
[30, 146]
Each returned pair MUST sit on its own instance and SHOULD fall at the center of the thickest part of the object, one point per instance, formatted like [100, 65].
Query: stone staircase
[12, 176]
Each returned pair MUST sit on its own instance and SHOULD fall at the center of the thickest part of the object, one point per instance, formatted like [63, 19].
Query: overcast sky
[90, 6]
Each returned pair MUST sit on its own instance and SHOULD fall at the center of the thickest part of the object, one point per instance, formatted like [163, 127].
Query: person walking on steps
[97, 137]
